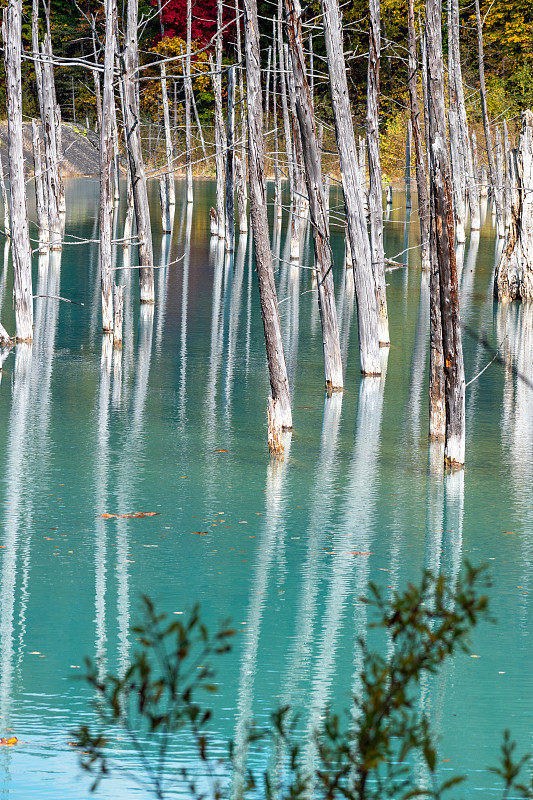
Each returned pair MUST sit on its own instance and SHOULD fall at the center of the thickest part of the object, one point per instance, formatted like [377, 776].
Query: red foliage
[204, 20]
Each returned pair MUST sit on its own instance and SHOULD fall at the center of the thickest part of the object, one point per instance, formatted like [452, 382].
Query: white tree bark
[23, 294]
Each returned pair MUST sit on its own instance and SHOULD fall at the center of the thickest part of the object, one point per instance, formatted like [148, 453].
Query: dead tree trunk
[469, 180]
[367, 309]
[188, 98]
[50, 145]
[375, 190]
[132, 121]
[408, 166]
[106, 169]
[230, 182]
[39, 180]
[486, 124]
[22, 290]
[277, 173]
[219, 147]
[284, 106]
[514, 274]
[498, 188]
[454, 381]
[315, 193]
[5, 201]
[507, 178]
[277, 369]
[420, 164]
[243, 220]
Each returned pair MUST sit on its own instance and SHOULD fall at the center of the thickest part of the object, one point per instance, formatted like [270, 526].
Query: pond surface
[176, 424]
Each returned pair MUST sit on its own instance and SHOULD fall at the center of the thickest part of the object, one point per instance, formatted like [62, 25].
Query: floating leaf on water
[221, 451]
[137, 515]
[198, 533]
[8, 741]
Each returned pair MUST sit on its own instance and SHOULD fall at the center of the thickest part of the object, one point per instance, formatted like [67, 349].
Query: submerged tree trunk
[230, 179]
[375, 191]
[514, 273]
[38, 177]
[454, 381]
[315, 193]
[421, 174]
[367, 309]
[279, 383]
[22, 290]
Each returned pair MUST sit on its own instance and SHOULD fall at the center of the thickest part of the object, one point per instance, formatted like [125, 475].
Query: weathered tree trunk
[315, 193]
[106, 169]
[277, 172]
[498, 188]
[118, 303]
[367, 310]
[437, 405]
[420, 164]
[96, 80]
[486, 124]
[230, 182]
[242, 201]
[188, 98]
[267, 93]
[279, 383]
[22, 290]
[39, 180]
[514, 273]
[50, 145]
[284, 106]
[130, 60]
[243, 221]
[166, 219]
[408, 166]
[5, 201]
[298, 201]
[475, 162]
[275, 428]
[375, 190]
[469, 180]
[454, 381]
[507, 178]
[457, 162]
[219, 148]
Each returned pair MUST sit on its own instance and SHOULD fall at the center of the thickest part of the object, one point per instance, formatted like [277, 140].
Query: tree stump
[514, 274]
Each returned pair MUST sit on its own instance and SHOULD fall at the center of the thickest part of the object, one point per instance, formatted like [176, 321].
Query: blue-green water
[176, 424]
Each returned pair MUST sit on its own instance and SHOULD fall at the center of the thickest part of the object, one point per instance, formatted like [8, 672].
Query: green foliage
[369, 759]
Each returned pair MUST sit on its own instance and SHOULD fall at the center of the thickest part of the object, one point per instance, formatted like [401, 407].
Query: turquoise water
[176, 424]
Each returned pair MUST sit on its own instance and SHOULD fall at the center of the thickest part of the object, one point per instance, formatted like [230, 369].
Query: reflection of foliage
[370, 760]
[174, 47]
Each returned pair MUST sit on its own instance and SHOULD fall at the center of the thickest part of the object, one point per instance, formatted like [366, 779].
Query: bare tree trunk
[96, 80]
[454, 381]
[279, 383]
[507, 180]
[219, 148]
[486, 124]
[408, 166]
[118, 303]
[367, 310]
[498, 188]
[284, 106]
[50, 146]
[375, 190]
[106, 169]
[420, 164]
[188, 97]
[469, 181]
[277, 173]
[5, 201]
[130, 60]
[298, 203]
[315, 193]
[40, 204]
[514, 273]
[243, 221]
[22, 290]
[230, 183]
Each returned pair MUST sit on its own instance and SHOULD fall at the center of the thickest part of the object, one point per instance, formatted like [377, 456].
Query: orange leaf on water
[8, 742]
[137, 515]
[221, 451]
